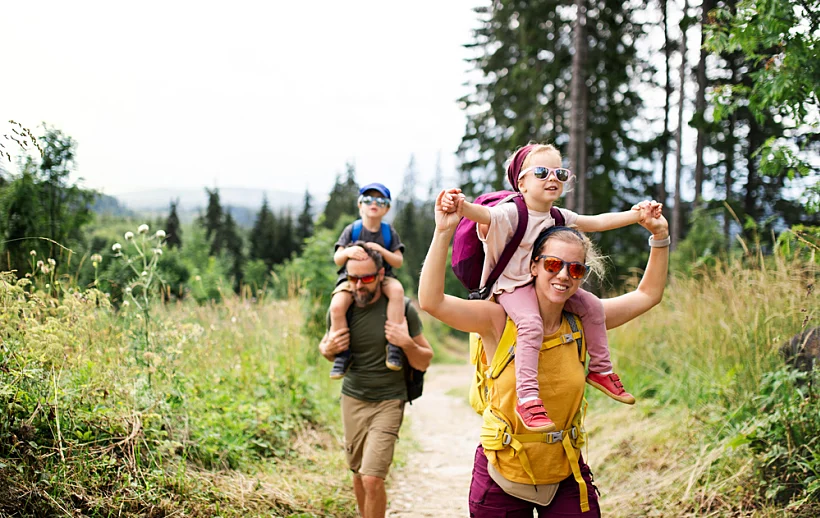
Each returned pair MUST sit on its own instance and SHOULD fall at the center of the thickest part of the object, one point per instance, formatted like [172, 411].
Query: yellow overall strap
[576, 472]
[495, 437]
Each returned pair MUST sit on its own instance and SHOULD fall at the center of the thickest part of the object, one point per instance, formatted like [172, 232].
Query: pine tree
[213, 217]
[342, 200]
[263, 236]
[304, 224]
[173, 230]
[231, 242]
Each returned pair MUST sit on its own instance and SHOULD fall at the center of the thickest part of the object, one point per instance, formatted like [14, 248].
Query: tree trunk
[578, 99]
[667, 52]
[730, 164]
[677, 219]
[700, 106]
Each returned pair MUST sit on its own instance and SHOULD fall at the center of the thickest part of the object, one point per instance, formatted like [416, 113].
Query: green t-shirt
[368, 378]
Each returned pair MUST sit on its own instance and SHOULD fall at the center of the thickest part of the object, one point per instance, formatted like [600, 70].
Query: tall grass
[236, 400]
[718, 332]
[722, 427]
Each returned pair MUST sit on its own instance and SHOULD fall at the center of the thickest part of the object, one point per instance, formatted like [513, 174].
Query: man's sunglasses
[542, 173]
[365, 279]
[381, 202]
[554, 265]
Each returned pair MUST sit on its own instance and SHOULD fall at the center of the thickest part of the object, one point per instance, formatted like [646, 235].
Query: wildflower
[33, 253]
[44, 268]
[161, 234]
[198, 278]
[52, 262]
[40, 264]
[143, 229]
[128, 290]
[144, 273]
[97, 258]
[129, 236]
[116, 247]
[157, 251]
[126, 303]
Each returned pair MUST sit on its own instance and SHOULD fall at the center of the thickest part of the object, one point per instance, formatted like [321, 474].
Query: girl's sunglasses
[542, 173]
[555, 265]
[366, 279]
[381, 202]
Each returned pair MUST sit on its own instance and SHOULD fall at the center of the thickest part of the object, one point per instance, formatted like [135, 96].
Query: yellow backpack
[497, 434]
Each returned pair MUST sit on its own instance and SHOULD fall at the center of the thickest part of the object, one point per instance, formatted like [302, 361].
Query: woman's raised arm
[474, 316]
[620, 310]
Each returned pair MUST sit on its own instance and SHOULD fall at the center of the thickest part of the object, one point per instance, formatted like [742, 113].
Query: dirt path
[435, 480]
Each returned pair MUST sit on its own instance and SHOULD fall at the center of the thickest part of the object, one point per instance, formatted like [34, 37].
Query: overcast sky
[272, 95]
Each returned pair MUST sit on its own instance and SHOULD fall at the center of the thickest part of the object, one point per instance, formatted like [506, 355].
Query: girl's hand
[377, 247]
[446, 221]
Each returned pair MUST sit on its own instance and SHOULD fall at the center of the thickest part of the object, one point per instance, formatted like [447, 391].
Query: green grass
[229, 412]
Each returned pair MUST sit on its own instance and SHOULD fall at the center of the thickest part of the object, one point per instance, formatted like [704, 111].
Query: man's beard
[363, 297]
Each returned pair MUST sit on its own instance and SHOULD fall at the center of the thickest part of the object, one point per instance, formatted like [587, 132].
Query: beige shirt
[503, 222]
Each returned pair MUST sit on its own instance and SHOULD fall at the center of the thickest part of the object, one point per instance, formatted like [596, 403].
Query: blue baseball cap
[376, 187]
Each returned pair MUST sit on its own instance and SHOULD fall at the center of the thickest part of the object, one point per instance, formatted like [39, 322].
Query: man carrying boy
[374, 202]
[373, 396]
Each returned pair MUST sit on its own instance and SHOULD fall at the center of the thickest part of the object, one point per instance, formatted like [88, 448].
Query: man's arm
[333, 343]
[417, 349]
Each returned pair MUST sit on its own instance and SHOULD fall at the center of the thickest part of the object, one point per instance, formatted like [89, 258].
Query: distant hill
[243, 203]
[109, 205]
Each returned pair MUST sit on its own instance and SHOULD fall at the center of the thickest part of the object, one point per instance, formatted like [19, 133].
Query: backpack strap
[510, 248]
[356, 232]
[573, 321]
[387, 235]
[558, 216]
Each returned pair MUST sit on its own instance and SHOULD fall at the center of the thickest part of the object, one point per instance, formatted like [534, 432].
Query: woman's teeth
[560, 287]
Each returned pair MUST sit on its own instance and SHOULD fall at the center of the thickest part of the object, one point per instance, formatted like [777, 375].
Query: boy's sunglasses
[542, 173]
[366, 279]
[381, 202]
[555, 265]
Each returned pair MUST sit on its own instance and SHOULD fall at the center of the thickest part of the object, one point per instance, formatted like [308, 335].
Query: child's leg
[340, 302]
[394, 291]
[589, 308]
[521, 306]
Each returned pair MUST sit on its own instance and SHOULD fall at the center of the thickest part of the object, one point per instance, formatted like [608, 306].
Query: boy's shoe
[394, 358]
[610, 384]
[340, 366]
[534, 416]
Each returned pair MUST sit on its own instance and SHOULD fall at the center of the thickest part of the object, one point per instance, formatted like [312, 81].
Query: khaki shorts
[371, 430]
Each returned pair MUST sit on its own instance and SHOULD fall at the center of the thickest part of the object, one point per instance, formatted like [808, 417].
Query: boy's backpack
[387, 236]
[413, 378]
[468, 251]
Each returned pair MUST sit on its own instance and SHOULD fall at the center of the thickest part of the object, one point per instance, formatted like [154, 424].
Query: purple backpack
[468, 251]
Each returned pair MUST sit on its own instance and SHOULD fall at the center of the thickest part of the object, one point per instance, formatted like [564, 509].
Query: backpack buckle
[568, 338]
[573, 433]
[555, 436]
[507, 439]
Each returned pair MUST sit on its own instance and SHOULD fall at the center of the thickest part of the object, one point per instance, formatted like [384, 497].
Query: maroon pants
[488, 500]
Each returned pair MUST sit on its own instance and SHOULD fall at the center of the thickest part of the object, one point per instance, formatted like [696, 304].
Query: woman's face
[558, 287]
[544, 191]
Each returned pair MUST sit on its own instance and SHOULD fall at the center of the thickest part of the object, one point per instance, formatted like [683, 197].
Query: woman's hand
[448, 205]
[658, 225]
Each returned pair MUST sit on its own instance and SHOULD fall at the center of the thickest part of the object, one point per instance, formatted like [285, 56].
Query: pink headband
[514, 169]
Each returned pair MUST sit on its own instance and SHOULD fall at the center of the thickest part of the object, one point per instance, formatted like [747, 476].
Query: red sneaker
[610, 384]
[534, 416]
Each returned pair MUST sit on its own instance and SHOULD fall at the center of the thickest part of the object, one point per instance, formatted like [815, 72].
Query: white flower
[157, 251]
[143, 229]
[97, 258]
[144, 273]
[33, 253]
[52, 262]
[128, 289]
[126, 303]
[40, 263]
[161, 234]
[116, 247]
[129, 236]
